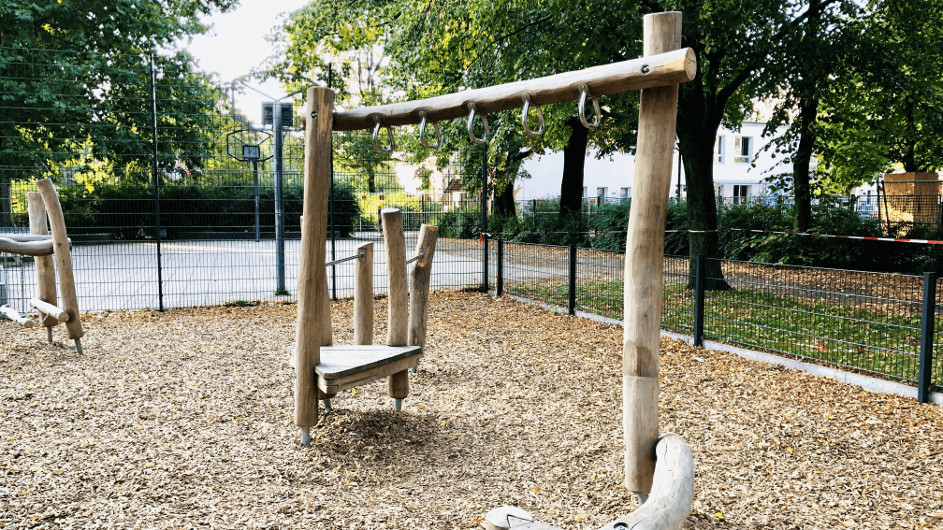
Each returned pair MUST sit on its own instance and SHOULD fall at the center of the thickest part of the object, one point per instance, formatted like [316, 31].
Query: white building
[735, 154]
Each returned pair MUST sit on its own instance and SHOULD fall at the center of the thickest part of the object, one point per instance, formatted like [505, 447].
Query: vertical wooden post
[63, 256]
[645, 260]
[419, 286]
[45, 271]
[312, 276]
[363, 296]
[398, 314]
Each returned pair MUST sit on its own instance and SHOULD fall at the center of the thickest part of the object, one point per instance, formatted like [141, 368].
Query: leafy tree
[886, 109]
[74, 84]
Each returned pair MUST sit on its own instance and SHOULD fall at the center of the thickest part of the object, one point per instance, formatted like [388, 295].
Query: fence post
[484, 263]
[499, 288]
[926, 337]
[157, 228]
[699, 281]
[571, 287]
[484, 218]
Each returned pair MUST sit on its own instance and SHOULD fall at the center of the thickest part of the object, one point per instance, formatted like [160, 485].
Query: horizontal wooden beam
[27, 248]
[15, 316]
[671, 68]
[55, 312]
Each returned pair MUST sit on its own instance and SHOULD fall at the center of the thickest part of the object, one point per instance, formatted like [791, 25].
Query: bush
[126, 212]
[460, 223]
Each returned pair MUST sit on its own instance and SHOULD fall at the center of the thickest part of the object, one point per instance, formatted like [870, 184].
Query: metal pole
[699, 281]
[279, 205]
[499, 288]
[484, 218]
[926, 337]
[571, 286]
[160, 278]
[255, 179]
[330, 79]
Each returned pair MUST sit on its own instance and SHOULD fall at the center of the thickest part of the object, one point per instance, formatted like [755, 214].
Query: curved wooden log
[45, 269]
[669, 503]
[26, 248]
[670, 68]
[63, 256]
[667, 508]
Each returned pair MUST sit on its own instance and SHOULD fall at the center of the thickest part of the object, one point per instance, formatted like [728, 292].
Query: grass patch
[862, 337]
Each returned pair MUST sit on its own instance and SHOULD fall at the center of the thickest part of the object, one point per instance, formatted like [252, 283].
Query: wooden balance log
[53, 257]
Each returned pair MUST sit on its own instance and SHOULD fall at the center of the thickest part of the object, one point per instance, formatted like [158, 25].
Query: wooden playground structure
[53, 254]
[657, 467]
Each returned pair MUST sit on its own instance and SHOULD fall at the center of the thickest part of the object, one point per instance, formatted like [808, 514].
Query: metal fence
[887, 325]
[166, 210]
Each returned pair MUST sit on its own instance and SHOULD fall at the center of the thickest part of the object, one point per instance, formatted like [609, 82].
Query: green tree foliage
[885, 110]
[75, 84]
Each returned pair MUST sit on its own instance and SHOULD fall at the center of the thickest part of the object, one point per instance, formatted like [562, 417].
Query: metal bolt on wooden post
[312, 276]
[645, 260]
[398, 313]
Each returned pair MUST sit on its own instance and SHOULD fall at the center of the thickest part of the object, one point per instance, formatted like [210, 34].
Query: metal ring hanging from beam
[540, 115]
[584, 92]
[471, 125]
[376, 133]
[422, 131]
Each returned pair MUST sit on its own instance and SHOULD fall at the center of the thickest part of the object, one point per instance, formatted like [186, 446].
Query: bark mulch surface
[184, 420]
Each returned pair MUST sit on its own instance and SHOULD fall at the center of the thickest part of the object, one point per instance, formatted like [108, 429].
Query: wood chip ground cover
[184, 420]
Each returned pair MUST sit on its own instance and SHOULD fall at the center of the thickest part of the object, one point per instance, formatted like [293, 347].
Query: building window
[719, 149]
[719, 189]
[601, 194]
[584, 191]
[624, 192]
[743, 149]
[740, 193]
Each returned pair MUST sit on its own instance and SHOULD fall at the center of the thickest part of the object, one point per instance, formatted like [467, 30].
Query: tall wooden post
[419, 287]
[312, 276]
[63, 257]
[45, 271]
[363, 296]
[645, 260]
[398, 313]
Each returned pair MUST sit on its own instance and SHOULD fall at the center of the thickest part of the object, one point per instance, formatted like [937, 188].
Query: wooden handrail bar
[26, 248]
[670, 68]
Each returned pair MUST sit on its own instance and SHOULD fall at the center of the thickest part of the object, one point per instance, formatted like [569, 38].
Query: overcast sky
[236, 44]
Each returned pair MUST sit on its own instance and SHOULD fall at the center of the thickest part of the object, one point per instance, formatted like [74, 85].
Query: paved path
[125, 275]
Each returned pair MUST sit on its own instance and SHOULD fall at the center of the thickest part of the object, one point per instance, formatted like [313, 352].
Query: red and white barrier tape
[813, 234]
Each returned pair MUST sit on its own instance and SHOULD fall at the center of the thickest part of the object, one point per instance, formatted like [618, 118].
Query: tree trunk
[800, 163]
[504, 203]
[574, 158]
[698, 158]
[6, 203]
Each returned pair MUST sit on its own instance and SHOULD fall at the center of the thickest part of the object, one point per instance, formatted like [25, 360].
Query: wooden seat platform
[349, 366]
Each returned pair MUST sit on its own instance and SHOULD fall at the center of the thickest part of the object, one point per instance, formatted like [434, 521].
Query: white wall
[617, 171]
